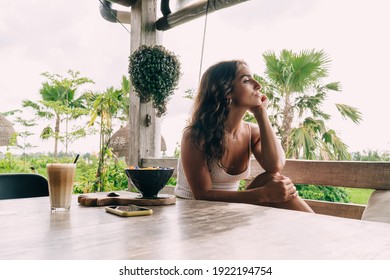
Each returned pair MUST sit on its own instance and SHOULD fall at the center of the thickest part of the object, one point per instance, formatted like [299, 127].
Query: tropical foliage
[110, 104]
[59, 103]
[294, 83]
[370, 155]
[85, 172]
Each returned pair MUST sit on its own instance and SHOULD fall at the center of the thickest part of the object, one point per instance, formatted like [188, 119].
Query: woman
[217, 144]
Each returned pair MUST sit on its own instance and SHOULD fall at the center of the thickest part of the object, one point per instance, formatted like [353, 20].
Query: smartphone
[129, 210]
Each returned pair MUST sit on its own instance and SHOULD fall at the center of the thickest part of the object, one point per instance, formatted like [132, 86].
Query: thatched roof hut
[119, 142]
[6, 131]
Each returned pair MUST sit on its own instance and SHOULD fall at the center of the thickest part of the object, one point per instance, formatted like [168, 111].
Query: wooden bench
[351, 174]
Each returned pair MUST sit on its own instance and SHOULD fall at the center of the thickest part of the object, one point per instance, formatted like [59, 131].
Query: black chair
[23, 185]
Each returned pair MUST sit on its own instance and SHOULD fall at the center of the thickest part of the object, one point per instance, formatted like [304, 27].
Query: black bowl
[149, 181]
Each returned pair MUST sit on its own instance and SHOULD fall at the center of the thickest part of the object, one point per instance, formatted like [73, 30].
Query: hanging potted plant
[154, 74]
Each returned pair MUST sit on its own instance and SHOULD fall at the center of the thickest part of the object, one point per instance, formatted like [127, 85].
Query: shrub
[325, 193]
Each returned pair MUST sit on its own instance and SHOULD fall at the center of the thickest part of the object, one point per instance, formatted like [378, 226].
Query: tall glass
[61, 180]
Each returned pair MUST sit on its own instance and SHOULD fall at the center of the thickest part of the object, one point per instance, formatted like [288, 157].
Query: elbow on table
[203, 195]
[200, 196]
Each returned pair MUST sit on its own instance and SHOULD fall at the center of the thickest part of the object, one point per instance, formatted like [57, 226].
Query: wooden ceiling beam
[192, 12]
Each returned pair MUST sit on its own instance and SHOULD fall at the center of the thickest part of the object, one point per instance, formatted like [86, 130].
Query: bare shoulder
[185, 136]
[186, 141]
[187, 133]
[188, 147]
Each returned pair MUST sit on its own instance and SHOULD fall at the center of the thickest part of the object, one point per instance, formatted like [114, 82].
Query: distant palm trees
[294, 84]
[58, 102]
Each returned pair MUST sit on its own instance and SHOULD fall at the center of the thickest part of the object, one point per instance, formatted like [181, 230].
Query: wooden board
[351, 174]
[344, 210]
[124, 198]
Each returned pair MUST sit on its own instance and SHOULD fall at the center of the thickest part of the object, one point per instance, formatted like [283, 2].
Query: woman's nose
[257, 85]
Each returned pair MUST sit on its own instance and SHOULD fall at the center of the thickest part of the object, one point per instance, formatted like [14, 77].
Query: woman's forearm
[245, 196]
[273, 157]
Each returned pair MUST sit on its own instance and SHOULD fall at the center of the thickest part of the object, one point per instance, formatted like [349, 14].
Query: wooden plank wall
[353, 174]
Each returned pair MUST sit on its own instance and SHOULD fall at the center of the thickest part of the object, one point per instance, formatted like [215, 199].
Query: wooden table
[186, 230]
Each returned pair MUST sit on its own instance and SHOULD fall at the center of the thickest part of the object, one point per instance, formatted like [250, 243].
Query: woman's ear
[228, 100]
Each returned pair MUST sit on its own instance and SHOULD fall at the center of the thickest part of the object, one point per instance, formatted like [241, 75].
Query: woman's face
[246, 90]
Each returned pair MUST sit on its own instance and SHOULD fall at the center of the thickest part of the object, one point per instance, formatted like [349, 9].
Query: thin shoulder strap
[250, 139]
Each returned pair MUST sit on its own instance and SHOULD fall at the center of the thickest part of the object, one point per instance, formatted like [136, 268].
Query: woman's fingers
[287, 181]
[293, 191]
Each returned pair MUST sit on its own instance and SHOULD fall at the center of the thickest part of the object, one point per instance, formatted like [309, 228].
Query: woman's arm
[266, 148]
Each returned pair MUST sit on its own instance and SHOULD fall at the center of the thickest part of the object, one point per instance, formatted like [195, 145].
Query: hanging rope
[204, 39]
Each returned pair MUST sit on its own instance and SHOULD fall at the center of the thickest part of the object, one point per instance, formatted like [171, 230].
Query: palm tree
[294, 84]
[113, 103]
[58, 102]
[25, 146]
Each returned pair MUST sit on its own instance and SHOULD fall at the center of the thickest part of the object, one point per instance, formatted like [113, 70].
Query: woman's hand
[273, 187]
[262, 104]
[279, 190]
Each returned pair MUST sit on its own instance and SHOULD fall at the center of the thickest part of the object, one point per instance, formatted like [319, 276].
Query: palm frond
[275, 69]
[335, 86]
[302, 140]
[93, 118]
[125, 84]
[11, 113]
[310, 103]
[316, 126]
[296, 72]
[46, 133]
[309, 67]
[335, 147]
[350, 112]
[45, 114]
[327, 137]
[31, 104]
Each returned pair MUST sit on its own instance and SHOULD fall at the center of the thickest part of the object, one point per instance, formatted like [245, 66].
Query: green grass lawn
[359, 196]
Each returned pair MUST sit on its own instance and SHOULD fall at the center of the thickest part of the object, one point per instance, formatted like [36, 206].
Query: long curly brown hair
[207, 124]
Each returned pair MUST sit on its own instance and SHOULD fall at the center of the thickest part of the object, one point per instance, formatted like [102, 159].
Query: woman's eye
[247, 81]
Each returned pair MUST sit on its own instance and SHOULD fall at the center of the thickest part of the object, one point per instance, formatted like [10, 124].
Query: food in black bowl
[150, 180]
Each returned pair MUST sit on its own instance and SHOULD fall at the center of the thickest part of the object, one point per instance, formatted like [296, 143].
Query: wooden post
[145, 135]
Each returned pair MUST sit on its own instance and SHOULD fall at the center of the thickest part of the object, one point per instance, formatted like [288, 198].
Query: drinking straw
[77, 157]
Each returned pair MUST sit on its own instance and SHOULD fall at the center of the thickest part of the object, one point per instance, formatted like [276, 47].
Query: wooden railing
[351, 174]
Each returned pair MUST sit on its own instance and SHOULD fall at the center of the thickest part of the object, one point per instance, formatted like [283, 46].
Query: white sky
[39, 35]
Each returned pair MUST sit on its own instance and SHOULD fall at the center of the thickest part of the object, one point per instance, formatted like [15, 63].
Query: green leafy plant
[107, 106]
[112, 180]
[333, 194]
[154, 73]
